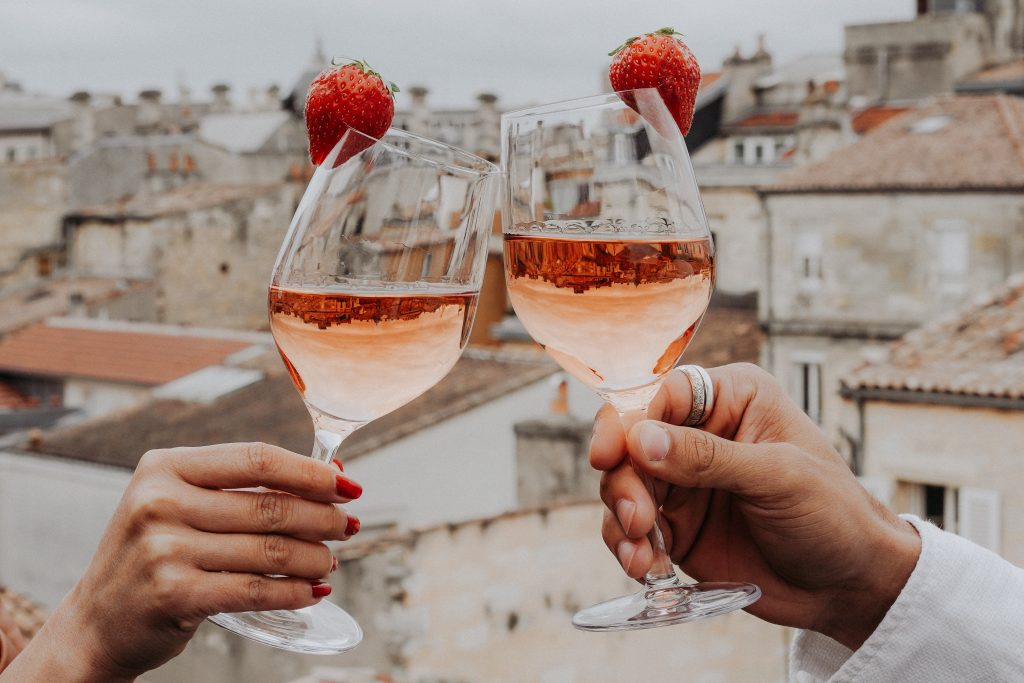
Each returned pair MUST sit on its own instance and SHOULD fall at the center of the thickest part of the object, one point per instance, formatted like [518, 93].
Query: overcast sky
[522, 50]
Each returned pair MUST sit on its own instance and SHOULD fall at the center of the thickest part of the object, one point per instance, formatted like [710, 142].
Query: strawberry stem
[365, 67]
[665, 31]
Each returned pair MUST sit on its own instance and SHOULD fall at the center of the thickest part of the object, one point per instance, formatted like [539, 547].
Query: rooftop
[29, 304]
[22, 111]
[1009, 74]
[966, 142]
[868, 119]
[242, 132]
[768, 119]
[976, 352]
[27, 616]
[179, 200]
[272, 411]
[125, 353]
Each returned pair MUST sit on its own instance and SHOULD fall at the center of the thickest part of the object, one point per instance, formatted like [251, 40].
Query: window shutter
[879, 487]
[978, 512]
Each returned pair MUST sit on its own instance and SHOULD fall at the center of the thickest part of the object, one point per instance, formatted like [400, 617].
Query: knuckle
[271, 511]
[152, 460]
[275, 550]
[167, 584]
[260, 460]
[150, 503]
[160, 549]
[703, 449]
[257, 590]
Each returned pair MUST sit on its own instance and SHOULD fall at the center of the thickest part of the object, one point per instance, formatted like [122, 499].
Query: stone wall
[736, 218]
[491, 601]
[34, 198]
[951, 446]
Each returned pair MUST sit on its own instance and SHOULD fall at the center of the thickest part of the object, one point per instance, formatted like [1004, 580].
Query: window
[808, 258]
[11, 154]
[737, 152]
[807, 383]
[951, 257]
[974, 513]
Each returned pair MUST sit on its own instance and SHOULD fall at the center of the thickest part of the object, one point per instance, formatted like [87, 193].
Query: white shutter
[879, 487]
[978, 517]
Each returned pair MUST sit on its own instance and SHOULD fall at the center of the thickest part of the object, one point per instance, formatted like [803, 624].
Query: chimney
[148, 116]
[419, 113]
[488, 127]
[824, 123]
[83, 132]
[740, 73]
[221, 98]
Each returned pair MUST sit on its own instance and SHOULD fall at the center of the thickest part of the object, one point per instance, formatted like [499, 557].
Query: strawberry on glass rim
[346, 95]
[662, 61]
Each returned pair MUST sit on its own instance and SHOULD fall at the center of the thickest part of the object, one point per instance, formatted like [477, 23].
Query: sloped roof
[243, 132]
[272, 411]
[21, 111]
[23, 306]
[870, 118]
[179, 200]
[978, 351]
[61, 349]
[965, 142]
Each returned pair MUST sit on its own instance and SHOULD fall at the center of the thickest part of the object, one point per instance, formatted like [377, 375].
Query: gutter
[860, 395]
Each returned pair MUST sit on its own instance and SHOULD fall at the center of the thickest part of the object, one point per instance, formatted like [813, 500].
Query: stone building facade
[937, 421]
[883, 235]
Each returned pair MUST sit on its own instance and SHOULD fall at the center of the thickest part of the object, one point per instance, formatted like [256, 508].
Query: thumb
[696, 459]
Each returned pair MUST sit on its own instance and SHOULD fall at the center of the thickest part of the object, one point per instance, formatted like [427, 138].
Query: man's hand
[756, 495]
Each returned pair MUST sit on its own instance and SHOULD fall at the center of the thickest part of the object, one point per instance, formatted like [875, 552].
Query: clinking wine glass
[610, 266]
[371, 303]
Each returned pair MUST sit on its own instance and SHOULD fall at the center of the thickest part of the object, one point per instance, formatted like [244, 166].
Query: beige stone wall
[737, 220]
[490, 602]
[211, 266]
[878, 260]
[954, 447]
[33, 197]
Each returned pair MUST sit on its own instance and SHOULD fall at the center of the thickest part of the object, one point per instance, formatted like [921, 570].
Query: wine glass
[610, 265]
[371, 303]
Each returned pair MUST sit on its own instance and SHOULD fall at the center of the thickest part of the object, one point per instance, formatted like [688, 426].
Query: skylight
[931, 124]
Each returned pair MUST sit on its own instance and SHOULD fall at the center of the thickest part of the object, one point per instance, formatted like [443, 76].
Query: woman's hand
[755, 495]
[181, 547]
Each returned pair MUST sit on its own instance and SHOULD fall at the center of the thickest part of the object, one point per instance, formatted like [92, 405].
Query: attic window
[930, 124]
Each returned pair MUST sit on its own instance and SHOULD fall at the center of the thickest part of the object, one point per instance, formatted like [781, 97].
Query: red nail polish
[338, 464]
[353, 526]
[321, 589]
[348, 488]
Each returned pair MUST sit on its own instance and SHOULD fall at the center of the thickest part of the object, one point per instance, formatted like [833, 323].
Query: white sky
[523, 50]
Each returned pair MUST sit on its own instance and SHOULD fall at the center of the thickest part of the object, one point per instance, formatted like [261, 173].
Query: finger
[635, 556]
[626, 496]
[228, 592]
[262, 554]
[244, 465]
[693, 458]
[267, 512]
[674, 400]
[608, 444]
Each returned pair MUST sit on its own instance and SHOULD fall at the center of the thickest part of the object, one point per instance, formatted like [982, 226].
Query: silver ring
[703, 394]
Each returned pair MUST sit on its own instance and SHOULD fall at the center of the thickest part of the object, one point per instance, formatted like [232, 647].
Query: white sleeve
[960, 618]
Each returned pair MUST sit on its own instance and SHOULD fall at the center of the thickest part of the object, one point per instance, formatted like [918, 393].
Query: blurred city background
[862, 168]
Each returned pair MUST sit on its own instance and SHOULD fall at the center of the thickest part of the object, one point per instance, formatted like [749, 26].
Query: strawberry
[658, 60]
[344, 96]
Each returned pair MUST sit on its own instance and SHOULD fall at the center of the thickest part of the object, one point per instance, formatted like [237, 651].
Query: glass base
[654, 607]
[322, 629]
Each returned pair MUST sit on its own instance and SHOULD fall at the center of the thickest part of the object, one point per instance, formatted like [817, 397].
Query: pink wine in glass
[356, 355]
[615, 313]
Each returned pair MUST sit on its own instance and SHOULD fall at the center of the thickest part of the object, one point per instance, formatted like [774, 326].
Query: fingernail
[624, 510]
[353, 525]
[654, 441]
[334, 564]
[625, 552]
[338, 464]
[321, 589]
[348, 488]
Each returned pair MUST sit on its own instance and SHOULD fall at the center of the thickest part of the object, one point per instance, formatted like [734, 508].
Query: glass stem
[329, 434]
[662, 573]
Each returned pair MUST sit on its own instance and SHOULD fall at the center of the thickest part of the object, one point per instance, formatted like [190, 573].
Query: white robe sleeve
[959, 619]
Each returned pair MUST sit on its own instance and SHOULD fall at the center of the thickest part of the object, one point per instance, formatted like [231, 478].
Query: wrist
[890, 556]
[68, 649]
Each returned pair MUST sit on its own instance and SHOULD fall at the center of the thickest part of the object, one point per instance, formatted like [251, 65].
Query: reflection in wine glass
[371, 303]
[610, 266]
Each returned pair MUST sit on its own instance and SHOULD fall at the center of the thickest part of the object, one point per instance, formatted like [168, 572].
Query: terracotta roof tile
[115, 355]
[951, 143]
[272, 411]
[772, 119]
[26, 615]
[12, 399]
[976, 352]
[868, 119]
[30, 304]
[709, 79]
[1011, 71]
